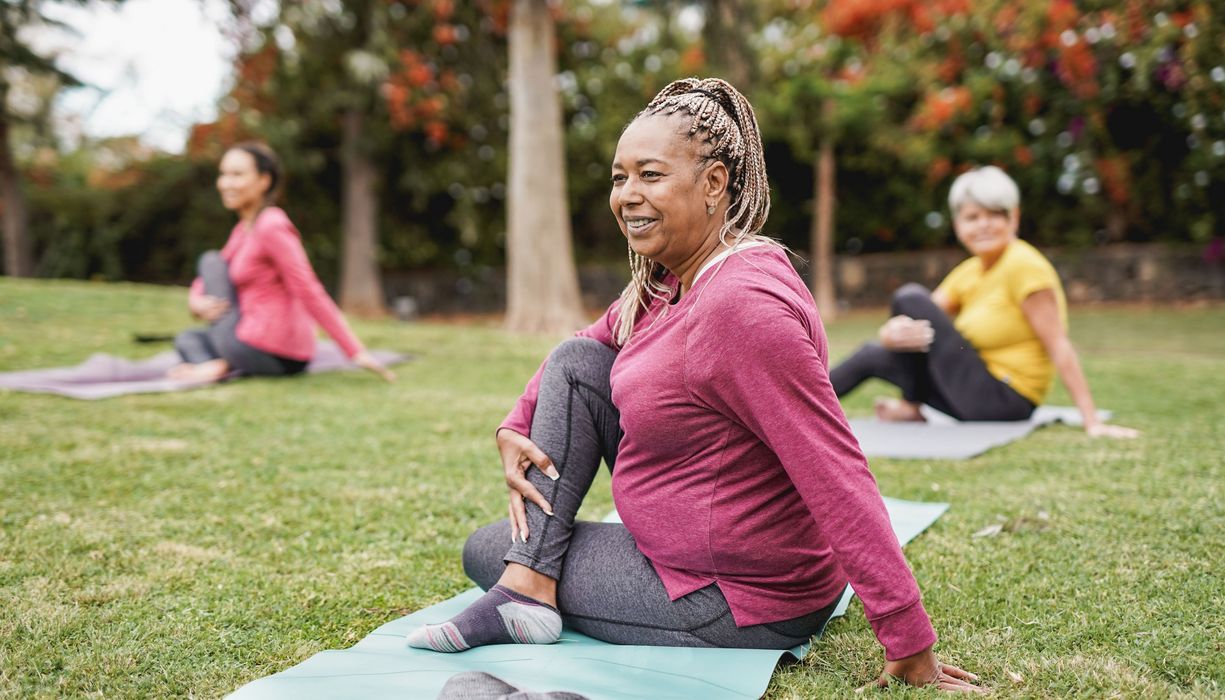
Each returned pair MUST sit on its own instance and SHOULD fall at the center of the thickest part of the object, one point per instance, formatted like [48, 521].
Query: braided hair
[725, 126]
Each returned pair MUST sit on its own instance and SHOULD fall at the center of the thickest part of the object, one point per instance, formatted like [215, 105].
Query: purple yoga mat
[103, 376]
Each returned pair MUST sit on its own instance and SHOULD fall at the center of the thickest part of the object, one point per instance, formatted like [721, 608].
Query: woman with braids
[259, 295]
[747, 504]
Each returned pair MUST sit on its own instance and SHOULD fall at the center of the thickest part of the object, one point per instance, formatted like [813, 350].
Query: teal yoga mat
[382, 666]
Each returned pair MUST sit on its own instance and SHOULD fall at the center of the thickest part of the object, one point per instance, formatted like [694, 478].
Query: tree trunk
[18, 252]
[726, 41]
[1117, 222]
[542, 284]
[822, 232]
[361, 286]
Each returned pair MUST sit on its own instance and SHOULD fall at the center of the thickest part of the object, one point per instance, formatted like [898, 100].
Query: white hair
[988, 187]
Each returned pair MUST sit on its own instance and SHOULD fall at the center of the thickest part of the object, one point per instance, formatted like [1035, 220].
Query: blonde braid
[725, 123]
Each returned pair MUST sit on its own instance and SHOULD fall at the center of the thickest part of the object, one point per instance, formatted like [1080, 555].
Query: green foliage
[1110, 114]
[438, 125]
[177, 545]
[16, 15]
[150, 229]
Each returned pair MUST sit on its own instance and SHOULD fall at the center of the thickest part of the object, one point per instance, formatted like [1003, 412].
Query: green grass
[184, 544]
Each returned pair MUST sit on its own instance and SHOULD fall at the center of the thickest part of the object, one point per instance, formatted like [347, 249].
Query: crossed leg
[605, 587]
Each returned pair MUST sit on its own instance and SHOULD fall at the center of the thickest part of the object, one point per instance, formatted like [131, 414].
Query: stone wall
[483, 289]
[1121, 272]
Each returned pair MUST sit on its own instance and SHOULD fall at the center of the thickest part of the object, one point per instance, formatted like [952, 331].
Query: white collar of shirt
[724, 255]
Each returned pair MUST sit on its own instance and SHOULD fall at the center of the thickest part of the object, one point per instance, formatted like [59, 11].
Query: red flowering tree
[372, 87]
[1111, 117]
[415, 96]
[1114, 111]
[847, 70]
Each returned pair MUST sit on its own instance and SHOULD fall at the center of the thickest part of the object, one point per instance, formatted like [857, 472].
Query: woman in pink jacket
[259, 295]
[747, 505]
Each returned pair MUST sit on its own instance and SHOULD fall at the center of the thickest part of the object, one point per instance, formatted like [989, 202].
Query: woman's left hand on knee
[906, 334]
[518, 455]
[208, 308]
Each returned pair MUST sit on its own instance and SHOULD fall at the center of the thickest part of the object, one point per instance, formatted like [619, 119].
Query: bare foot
[898, 411]
[202, 372]
[521, 579]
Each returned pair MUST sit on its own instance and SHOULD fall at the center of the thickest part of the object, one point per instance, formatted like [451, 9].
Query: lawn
[184, 544]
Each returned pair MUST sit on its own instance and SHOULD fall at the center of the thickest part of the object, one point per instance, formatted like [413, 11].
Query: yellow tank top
[990, 317]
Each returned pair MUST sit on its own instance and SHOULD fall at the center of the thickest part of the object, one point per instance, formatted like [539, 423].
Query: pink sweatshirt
[738, 466]
[279, 297]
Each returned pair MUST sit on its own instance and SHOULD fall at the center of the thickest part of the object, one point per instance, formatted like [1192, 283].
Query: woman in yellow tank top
[987, 342]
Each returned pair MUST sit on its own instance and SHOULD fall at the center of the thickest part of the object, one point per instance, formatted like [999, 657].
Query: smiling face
[985, 232]
[660, 195]
[241, 186]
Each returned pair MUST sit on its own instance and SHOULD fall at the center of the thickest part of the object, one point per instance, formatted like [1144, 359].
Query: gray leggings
[606, 588]
[949, 377]
[219, 340]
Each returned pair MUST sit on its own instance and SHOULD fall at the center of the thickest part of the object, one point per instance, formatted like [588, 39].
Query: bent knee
[911, 289]
[911, 299]
[580, 350]
[580, 357]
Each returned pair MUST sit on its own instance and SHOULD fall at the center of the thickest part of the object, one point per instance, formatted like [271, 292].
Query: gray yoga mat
[104, 376]
[383, 666]
[944, 437]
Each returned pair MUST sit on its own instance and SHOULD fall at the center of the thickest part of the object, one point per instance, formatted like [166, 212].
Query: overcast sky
[154, 67]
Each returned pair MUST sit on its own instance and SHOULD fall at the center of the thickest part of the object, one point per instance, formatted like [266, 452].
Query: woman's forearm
[1067, 363]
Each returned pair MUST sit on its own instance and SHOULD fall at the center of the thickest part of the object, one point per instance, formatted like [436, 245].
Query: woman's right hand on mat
[371, 363]
[905, 334]
[1109, 430]
[518, 455]
[207, 308]
[925, 669]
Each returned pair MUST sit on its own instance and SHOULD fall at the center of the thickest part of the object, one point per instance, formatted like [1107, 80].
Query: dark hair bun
[266, 163]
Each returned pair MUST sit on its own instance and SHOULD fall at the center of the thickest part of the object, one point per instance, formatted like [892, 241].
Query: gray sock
[501, 616]
[478, 685]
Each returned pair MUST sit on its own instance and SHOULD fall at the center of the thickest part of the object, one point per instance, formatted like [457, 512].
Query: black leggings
[606, 588]
[949, 377]
[219, 340]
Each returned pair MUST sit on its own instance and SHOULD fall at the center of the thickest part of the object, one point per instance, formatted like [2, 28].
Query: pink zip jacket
[738, 466]
[279, 297]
